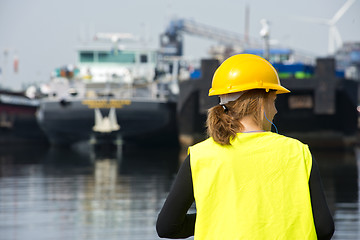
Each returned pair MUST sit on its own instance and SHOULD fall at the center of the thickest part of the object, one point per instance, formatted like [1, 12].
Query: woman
[247, 182]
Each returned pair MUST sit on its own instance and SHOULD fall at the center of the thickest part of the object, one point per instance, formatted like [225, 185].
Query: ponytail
[223, 123]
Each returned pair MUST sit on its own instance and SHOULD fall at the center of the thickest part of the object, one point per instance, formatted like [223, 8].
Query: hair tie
[224, 107]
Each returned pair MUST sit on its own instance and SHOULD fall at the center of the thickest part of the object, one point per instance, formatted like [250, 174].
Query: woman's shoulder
[273, 138]
[282, 139]
[207, 145]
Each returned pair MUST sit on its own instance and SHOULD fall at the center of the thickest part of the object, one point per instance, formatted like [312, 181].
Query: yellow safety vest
[255, 188]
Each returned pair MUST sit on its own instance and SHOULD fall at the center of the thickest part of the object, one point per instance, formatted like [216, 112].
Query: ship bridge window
[119, 57]
[86, 57]
[143, 58]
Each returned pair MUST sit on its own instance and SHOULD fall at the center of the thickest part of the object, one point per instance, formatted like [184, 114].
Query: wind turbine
[335, 40]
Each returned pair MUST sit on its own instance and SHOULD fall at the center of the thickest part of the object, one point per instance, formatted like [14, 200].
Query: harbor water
[88, 193]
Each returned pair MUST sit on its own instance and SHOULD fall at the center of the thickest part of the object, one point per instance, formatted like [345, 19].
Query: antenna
[265, 34]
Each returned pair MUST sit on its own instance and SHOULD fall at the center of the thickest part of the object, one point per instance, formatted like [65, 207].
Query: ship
[17, 119]
[114, 92]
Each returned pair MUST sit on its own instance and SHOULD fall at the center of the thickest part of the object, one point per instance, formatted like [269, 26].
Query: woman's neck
[250, 125]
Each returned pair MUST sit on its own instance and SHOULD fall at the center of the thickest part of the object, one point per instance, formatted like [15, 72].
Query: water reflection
[83, 193]
[91, 193]
[340, 174]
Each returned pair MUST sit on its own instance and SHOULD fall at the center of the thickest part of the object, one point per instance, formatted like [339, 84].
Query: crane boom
[202, 30]
[172, 38]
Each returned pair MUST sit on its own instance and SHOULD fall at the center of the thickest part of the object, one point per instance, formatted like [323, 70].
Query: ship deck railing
[95, 90]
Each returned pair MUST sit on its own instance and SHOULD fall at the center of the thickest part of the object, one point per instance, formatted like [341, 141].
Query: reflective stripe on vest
[255, 188]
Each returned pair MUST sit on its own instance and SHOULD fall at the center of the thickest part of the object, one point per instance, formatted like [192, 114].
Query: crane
[171, 40]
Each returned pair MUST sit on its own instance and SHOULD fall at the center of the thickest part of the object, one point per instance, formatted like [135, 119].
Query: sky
[44, 34]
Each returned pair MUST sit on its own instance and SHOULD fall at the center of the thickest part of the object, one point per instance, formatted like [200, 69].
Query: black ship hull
[329, 121]
[296, 111]
[18, 122]
[140, 121]
[321, 109]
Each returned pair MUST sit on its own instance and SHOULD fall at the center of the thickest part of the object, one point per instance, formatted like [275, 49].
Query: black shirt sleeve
[323, 220]
[174, 222]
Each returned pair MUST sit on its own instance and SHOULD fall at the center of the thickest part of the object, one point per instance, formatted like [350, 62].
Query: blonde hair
[223, 125]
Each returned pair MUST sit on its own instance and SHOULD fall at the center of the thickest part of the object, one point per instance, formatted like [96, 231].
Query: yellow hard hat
[243, 72]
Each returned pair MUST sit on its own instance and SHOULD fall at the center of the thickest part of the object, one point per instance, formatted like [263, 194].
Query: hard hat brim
[277, 88]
